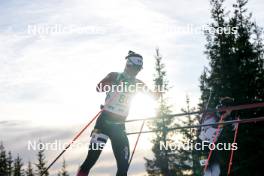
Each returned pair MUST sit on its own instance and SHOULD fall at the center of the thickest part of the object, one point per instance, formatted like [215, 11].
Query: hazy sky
[52, 54]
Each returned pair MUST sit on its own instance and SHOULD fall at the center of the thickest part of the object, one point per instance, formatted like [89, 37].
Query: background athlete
[208, 134]
[110, 123]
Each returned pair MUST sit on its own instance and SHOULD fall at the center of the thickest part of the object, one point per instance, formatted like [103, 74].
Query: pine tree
[236, 70]
[3, 160]
[9, 161]
[29, 171]
[63, 171]
[18, 171]
[41, 164]
[164, 161]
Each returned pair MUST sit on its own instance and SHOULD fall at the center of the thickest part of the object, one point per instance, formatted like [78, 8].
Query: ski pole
[74, 139]
[79, 134]
[133, 152]
[232, 152]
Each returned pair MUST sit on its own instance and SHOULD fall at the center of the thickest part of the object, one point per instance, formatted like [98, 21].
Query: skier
[208, 133]
[110, 123]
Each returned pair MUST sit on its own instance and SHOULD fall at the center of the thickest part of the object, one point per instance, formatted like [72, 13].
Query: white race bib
[208, 133]
[118, 103]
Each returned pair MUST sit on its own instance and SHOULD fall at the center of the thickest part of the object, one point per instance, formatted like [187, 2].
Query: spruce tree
[249, 53]
[236, 70]
[187, 156]
[63, 171]
[29, 171]
[9, 161]
[41, 164]
[163, 162]
[3, 160]
[18, 170]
